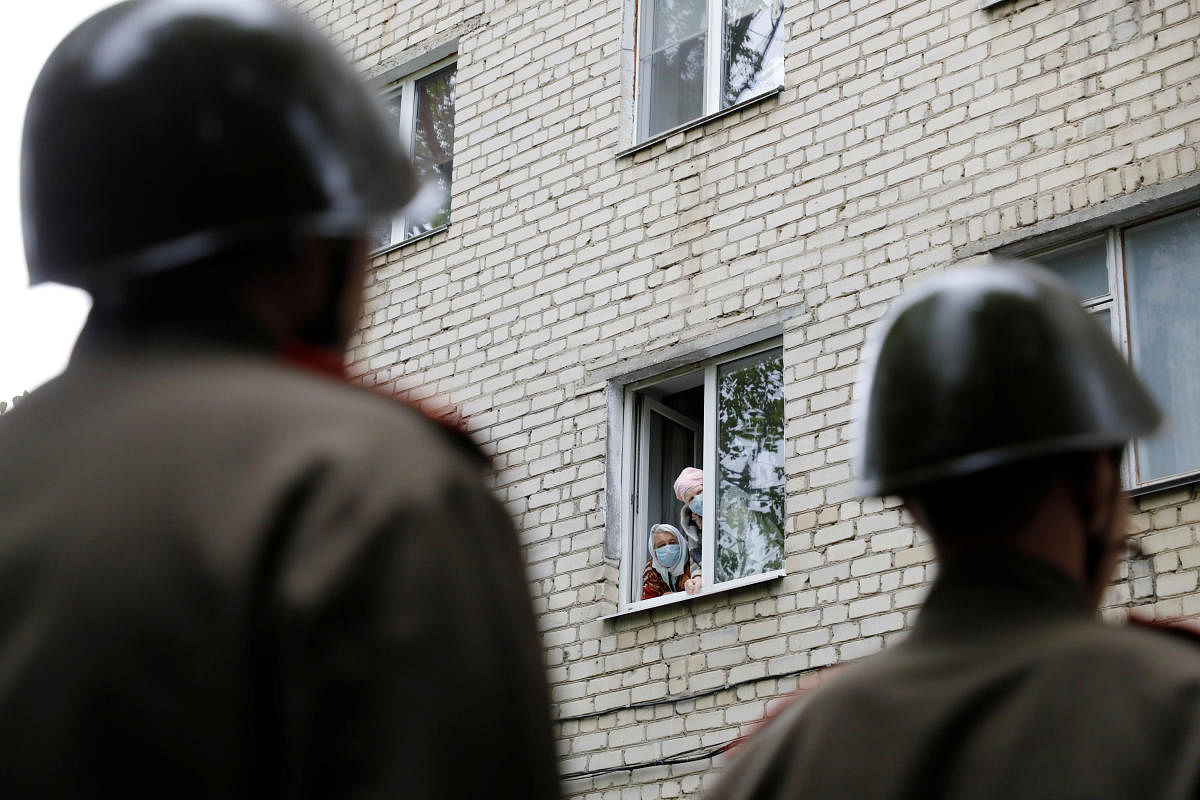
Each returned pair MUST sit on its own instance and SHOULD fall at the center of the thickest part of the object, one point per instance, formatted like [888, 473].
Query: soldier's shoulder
[382, 411]
[294, 388]
[1177, 635]
[1164, 653]
[262, 401]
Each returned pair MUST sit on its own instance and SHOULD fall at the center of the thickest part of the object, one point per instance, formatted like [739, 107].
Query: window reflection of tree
[746, 48]
[433, 141]
[678, 84]
[750, 469]
[676, 20]
[676, 58]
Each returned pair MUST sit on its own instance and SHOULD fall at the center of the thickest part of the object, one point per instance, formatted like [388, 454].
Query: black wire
[682, 757]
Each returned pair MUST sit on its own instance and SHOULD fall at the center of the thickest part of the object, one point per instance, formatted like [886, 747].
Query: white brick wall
[909, 133]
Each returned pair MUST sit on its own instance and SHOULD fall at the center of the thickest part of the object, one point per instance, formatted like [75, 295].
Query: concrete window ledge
[410, 240]
[697, 122]
[683, 597]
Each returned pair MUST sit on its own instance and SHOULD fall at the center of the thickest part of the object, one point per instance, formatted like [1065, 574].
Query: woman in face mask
[689, 490]
[669, 568]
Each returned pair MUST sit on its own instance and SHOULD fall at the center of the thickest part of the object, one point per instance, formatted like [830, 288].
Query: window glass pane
[433, 150]
[676, 90]
[676, 20]
[1083, 266]
[750, 475]
[1104, 320]
[1163, 284]
[752, 49]
[381, 233]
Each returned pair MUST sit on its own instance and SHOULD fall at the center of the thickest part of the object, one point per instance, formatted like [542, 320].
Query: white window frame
[632, 468]
[1115, 301]
[406, 89]
[714, 42]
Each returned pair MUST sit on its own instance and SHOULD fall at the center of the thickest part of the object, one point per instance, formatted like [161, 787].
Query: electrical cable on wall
[682, 757]
[692, 754]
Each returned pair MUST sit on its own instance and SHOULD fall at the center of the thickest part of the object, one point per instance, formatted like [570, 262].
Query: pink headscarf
[688, 479]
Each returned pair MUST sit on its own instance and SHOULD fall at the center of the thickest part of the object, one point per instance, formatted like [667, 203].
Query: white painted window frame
[714, 42]
[406, 89]
[633, 465]
[1116, 303]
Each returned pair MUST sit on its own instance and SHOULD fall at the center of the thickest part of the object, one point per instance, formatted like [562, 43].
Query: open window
[724, 417]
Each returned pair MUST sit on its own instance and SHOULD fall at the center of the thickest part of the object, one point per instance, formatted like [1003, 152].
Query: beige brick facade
[909, 134]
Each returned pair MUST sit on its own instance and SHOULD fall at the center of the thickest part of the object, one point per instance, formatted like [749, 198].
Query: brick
[1176, 583]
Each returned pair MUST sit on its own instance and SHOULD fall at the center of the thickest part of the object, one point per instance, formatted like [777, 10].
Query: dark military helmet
[161, 132]
[984, 366]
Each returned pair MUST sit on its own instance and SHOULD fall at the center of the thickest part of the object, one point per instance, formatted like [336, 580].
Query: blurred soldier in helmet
[997, 409]
[224, 571]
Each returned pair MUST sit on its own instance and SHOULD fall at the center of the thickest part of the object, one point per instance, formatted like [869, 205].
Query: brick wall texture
[908, 132]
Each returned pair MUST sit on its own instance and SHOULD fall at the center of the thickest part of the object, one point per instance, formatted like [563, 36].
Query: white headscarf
[671, 576]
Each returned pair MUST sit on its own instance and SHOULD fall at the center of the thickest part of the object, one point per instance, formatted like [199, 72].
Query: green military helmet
[161, 132]
[984, 366]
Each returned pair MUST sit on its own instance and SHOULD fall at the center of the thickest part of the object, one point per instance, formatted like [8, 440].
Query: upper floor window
[422, 106]
[1142, 284]
[697, 57]
[704, 474]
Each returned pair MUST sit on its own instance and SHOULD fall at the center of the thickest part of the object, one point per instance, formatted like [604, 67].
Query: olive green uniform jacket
[225, 576]
[1006, 688]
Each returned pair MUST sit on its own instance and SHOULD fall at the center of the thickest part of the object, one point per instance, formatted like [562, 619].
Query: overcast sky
[37, 326]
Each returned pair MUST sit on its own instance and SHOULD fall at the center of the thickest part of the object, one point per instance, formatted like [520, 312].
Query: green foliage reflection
[433, 142]
[750, 469]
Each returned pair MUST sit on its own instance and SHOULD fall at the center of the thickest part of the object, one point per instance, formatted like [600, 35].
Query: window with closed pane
[1142, 281]
[722, 419]
[749, 467]
[698, 57]
[422, 108]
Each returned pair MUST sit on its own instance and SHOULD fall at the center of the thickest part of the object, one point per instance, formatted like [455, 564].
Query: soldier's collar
[997, 589]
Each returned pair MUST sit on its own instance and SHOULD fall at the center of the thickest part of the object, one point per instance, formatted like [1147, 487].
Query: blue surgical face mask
[668, 554]
[697, 505]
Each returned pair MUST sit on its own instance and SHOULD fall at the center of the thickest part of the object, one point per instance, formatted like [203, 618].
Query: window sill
[1165, 484]
[390, 248]
[683, 597]
[696, 123]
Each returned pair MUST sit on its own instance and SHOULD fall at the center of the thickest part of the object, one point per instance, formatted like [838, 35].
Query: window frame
[1116, 302]
[406, 87]
[632, 470]
[714, 44]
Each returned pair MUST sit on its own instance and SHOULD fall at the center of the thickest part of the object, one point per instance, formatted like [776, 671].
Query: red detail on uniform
[317, 359]
[333, 364]
[1185, 629]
